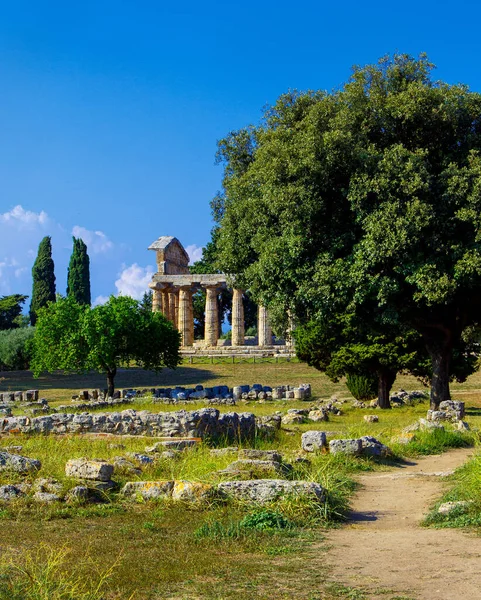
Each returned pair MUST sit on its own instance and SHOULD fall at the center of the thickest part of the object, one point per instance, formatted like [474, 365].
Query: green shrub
[16, 348]
[265, 520]
[362, 387]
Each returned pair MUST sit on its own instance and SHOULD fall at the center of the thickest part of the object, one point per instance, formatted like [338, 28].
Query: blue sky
[110, 111]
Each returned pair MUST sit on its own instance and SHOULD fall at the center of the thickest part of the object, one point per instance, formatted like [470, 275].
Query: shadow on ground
[134, 377]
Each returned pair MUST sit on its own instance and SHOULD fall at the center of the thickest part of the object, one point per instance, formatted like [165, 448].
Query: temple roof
[162, 242]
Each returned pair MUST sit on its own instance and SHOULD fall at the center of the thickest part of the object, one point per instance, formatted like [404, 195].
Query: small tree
[43, 276]
[77, 338]
[78, 279]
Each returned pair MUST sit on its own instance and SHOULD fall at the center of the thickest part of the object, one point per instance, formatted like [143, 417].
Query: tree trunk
[441, 359]
[110, 381]
[386, 381]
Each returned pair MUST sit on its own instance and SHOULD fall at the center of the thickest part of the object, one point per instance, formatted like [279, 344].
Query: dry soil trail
[384, 548]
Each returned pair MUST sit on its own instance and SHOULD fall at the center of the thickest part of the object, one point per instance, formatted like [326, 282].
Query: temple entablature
[173, 287]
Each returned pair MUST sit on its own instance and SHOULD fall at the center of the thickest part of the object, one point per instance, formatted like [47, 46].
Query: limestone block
[257, 468]
[313, 440]
[17, 463]
[349, 446]
[371, 418]
[83, 468]
[189, 491]
[449, 507]
[47, 485]
[293, 419]
[148, 490]
[10, 492]
[252, 453]
[425, 425]
[46, 497]
[121, 464]
[224, 451]
[317, 416]
[373, 447]
[277, 393]
[262, 491]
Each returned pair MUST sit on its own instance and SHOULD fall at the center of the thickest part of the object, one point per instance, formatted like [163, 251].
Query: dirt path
[384, 551]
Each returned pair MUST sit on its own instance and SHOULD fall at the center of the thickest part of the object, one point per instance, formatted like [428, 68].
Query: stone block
[313, 440]
[257, 468]
[251, 453]
[371, 418]
[190, 491]
[171, 445]
[318, 415]
[349, 446]
[83, 468]
[449, 507]
[46, 497]
[10, 492]
[148, 490]
[17, 463]
[262, 491]
[373, 447]
[299, 393]
[293, 419]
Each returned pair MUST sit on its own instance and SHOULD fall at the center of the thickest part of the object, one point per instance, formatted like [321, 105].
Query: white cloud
[194, 252]
[24, 219]
[100, 300]
[134, 280]
[97, 242]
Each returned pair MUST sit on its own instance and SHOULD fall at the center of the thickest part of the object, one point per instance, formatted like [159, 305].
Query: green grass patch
[465, 485]
[436, 441]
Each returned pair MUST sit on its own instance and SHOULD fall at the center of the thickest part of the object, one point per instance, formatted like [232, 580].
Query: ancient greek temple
[173, 287]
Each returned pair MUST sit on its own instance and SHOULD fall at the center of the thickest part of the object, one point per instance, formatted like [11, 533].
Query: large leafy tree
[76, 338]
[78, 278]
[43, 275]
[375, 187]
[10, 310]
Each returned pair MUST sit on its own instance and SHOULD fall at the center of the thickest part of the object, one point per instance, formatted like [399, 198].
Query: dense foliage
[366, 196]
[43, 276]
[11, 310]
[77, 338]
[78, 278]
[16, 348]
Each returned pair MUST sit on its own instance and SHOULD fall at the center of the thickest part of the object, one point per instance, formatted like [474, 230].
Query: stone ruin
[173, 287]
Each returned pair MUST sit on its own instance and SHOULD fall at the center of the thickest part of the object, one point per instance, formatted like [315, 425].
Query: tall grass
[49, 573]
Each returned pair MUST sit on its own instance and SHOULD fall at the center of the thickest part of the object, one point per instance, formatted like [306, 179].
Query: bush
[362, 387]
[265, 520]
[16, 348]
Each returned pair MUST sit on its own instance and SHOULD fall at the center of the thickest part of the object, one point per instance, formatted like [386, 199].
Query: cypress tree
[78, 279]
[43, 278]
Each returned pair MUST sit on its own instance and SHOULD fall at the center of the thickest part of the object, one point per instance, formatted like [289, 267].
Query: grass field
[145, 551]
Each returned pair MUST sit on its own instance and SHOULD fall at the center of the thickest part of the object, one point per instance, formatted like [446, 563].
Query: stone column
[290, 329]
[264, 331]
[238, 324]
[211, 317]
[165, 303]
[186, 316]
[176, 309]
[157, 300]
[171, 307]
